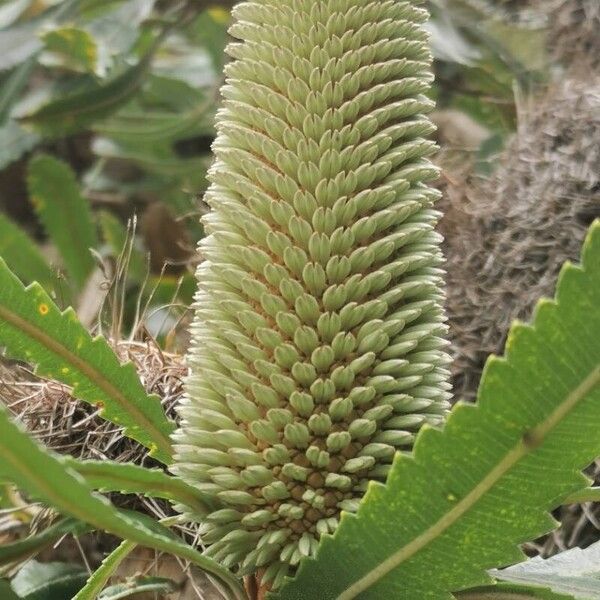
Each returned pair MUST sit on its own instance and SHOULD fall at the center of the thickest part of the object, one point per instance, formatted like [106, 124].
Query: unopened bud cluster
[317, 346]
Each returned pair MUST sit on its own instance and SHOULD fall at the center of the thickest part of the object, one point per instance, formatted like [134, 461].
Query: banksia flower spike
[317, 347]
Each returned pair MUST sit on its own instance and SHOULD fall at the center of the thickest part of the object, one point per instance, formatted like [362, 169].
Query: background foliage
[110, 104]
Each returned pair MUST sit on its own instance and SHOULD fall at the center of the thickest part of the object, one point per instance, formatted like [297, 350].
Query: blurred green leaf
[65, 214]
[523, 44]
[68, 113]
[48, 581]
[13, 85]
[137, 125]
[158, 159]
[210, 31]
[167, 94]
[496, 115]
[23, 255]
[15, 142]
[6, 591]
[139, 585]
[447, 42]
[72, 48]
[20, 42]
[17, 45]
[167, 288]
[488, 152]
[116, 28]
[11, 11]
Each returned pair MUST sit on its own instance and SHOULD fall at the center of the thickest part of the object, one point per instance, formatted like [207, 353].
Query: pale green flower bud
[318, 347]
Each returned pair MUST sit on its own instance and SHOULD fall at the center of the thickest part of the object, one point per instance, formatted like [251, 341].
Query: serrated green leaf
[22, 549]
[590, 494]
[139, 585]
[64, 212]
[99, 578]
[68, 113]
[45, 477]
[107, 476]
[48, 581]
[33, 329]
[575, 572]
[472, 492]
[24, 256]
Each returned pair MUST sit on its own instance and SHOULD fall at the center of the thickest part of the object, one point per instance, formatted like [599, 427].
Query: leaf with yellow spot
[32, 328]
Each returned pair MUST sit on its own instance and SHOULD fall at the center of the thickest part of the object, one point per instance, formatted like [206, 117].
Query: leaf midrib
[119, 525]
[529, 441]
[171, 487]
[162, 442]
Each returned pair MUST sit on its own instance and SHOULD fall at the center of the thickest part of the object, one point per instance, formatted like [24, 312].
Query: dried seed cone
[574, 32]
[318, 346]
[509, 235]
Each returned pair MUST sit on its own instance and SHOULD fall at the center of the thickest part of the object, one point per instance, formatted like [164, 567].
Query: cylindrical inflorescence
[318, 345]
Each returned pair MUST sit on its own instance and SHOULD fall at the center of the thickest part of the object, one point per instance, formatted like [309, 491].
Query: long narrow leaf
[65, 214]
[13, 86]
[107, 476]
[45, 477]
[475, 490]
[20, 550]
[100, 577]
[33, 329]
